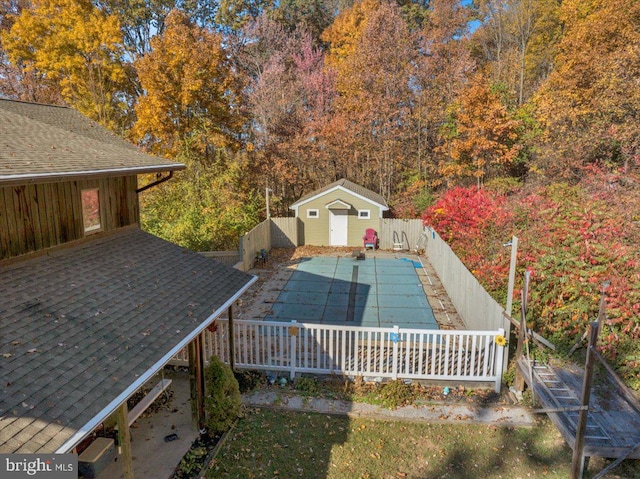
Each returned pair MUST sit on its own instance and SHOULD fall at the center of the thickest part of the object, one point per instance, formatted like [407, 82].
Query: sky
[474, 24]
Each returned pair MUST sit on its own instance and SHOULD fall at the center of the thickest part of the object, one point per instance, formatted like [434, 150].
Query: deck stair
[560, 399]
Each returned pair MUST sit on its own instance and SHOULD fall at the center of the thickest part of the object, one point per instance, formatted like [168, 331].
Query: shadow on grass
[489, 451]
[270, 443]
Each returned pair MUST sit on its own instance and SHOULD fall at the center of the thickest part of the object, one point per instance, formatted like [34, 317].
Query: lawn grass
[268, 443]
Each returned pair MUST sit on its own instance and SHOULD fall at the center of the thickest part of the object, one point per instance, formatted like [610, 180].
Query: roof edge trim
[85, 430]
[59, 176]
[299, 203]
[340, 202]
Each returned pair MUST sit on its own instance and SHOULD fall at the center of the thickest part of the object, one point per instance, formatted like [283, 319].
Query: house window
[91, 210]
[364, 214]
[313, 214]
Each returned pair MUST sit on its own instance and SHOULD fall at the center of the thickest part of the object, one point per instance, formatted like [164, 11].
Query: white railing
[359, 351]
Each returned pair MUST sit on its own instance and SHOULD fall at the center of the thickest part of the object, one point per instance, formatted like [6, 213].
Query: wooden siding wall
[316, 230]
[38, 216]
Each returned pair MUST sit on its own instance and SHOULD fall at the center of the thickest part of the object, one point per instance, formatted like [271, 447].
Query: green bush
[248, 380]
[509, 376]
[222, 401]
[308, 386]
[395, 394]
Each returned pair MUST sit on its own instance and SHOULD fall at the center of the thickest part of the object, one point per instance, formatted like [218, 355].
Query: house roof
[45, 143]
[345, 185]
[82, 327]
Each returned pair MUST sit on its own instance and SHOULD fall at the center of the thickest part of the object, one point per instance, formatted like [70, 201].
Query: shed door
[338, 227]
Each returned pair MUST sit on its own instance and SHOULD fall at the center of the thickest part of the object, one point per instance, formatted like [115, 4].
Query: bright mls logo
[49, 466]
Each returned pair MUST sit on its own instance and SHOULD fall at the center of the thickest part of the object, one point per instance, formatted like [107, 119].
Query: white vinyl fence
[394, 353]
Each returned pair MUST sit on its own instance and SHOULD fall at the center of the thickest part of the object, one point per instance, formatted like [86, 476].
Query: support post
[394, 364]
[200, 379]
[232, 344]
[499, 361]
[512, 274]
[193, 381]
[577, 462]
[267, 191]
[125, 441]
[293, 345]
[196, 380]
[522, 330]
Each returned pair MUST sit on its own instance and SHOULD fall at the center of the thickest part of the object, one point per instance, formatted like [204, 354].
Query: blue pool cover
[376, 292]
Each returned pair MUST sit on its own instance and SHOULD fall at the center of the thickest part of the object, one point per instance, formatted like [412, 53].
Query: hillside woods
[487, 118]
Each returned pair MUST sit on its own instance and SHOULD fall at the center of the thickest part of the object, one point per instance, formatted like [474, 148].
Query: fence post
[499, 361]
[395, 338]
[293, 334]
[577, 461]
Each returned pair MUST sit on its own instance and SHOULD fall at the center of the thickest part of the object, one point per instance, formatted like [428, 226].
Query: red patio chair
[370, 239]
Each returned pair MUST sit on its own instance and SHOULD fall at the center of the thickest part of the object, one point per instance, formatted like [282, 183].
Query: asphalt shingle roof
[44, 141]
[348, 185]
[81, 326]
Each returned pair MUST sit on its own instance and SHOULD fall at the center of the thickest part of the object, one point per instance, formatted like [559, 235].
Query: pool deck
[265, 295]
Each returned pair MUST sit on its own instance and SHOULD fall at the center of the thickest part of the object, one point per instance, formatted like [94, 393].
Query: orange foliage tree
[482, 136]
[443, 66]
[76, 47]
[371, 50]
[589, 105]
[191, 99]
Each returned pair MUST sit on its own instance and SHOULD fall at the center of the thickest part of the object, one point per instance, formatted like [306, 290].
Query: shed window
[364, 214]
[313, 214]
[91, 210]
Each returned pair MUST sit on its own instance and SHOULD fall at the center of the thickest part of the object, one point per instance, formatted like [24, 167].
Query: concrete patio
[153, 458]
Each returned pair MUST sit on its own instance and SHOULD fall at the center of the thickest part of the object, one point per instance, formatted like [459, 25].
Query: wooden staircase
[559, 399]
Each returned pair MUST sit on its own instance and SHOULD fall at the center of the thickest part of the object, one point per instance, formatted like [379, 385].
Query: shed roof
[83, 327]
[347, 185]
[45, 142]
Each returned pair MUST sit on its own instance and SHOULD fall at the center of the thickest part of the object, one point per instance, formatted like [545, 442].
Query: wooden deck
[424, 362]
[613, 426]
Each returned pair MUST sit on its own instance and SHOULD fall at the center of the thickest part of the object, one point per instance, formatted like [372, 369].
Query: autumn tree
[73, 45]
[589, 105]
[515, 43]
[140, 20]
[289, 94]
[234, 15]
[371, 50]
[191, 94]
[15, 81]
[314, 16]
[443, 67]
[343, 36]
[190, 111]
[493, 35]
[542, 46]
[204, 209]
[481, 137]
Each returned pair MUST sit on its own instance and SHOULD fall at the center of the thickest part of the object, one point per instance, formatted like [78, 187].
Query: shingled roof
[345, 185]
[83, 327]
[41, 142]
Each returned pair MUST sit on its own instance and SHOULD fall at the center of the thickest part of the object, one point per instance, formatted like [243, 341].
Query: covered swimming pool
[374, 292]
